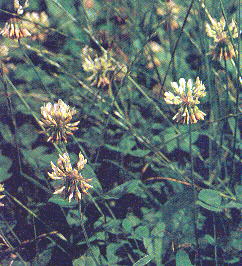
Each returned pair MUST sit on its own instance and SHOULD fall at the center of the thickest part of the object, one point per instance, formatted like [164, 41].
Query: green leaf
[127, 143]
[232, 204]
[6, 132]
[73, 218]
[132, 186]
[209, 239]
[158, 229]
[154, 246]
[62, 202]
[5, 164]
[208, 207]
[113, 226]
[143, 261]
[111, 253]
[84, 261]
[43, 258]
[130, 222]
[88, 172]
[27, 135]
[139, 153]
[38, 158]
[210, 197]
[141, 232]
[182, 259]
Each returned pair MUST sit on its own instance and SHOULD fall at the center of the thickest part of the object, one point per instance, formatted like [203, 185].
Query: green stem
[34, 68]
[215, 241]
[194, 196]
[177, 42]
[85, 234]
[236, 105]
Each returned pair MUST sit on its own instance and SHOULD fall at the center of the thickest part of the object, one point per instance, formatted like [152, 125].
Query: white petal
[60, 190]
[189, 84]
[182, 83]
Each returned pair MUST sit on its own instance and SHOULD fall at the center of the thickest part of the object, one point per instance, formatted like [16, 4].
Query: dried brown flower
[20, 7]
[169, 11]
[222, 48]
[151, 50]
[5, 64]
[14, 29]
[36, 23]
[74, 185]
[103, 68]
[1, 196]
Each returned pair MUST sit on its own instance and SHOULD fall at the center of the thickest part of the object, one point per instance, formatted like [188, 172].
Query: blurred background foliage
[140, 210]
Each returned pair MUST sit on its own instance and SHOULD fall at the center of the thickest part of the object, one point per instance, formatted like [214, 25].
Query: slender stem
[177, 41]
[9, 104]
[85, 234]
[215, 240]
[194, 196]
[236, 104]
[34, 68]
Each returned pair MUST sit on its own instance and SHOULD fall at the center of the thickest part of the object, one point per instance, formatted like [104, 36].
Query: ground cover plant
[119, 132]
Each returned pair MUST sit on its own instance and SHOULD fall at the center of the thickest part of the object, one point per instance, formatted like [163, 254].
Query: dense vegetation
[119, 132]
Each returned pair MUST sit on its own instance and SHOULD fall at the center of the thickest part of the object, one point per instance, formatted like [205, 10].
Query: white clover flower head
[102, 68]
[1, 196]
[74, 185]
[56, 121]
[186, 94]
[223, 48]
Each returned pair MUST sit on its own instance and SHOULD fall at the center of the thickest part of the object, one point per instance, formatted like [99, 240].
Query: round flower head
[5, 60]
[74, 185]
[186, 94]
[31, 21]
[223, 48]
[56, 120]
[169, 11]
[14, 29]
[3, 50]
[150, 51]
[103, 68]
[1, 196]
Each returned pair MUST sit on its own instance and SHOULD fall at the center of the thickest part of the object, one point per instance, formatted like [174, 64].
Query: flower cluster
[3, 50]
[1, 196]
[151, 50]
[14, 29]
[223, 48]
[5, 60]
[74, 185]
[169, 11]
[103, 68]
[187, 95]
[36, 23]
[56, 120]
[20, 7]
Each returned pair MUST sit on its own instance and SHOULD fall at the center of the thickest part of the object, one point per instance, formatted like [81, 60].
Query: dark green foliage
[163, 193]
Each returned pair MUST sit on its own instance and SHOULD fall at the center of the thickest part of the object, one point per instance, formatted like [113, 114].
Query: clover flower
[3, 50]
[151, 50]
[223, 47]
[74, 185]
[5, 60]
[169, 11]
[20, 8]
[103, 68]
[187, 96]
[31, 21]
[14, 29]
[56, 120]
[1, 196]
